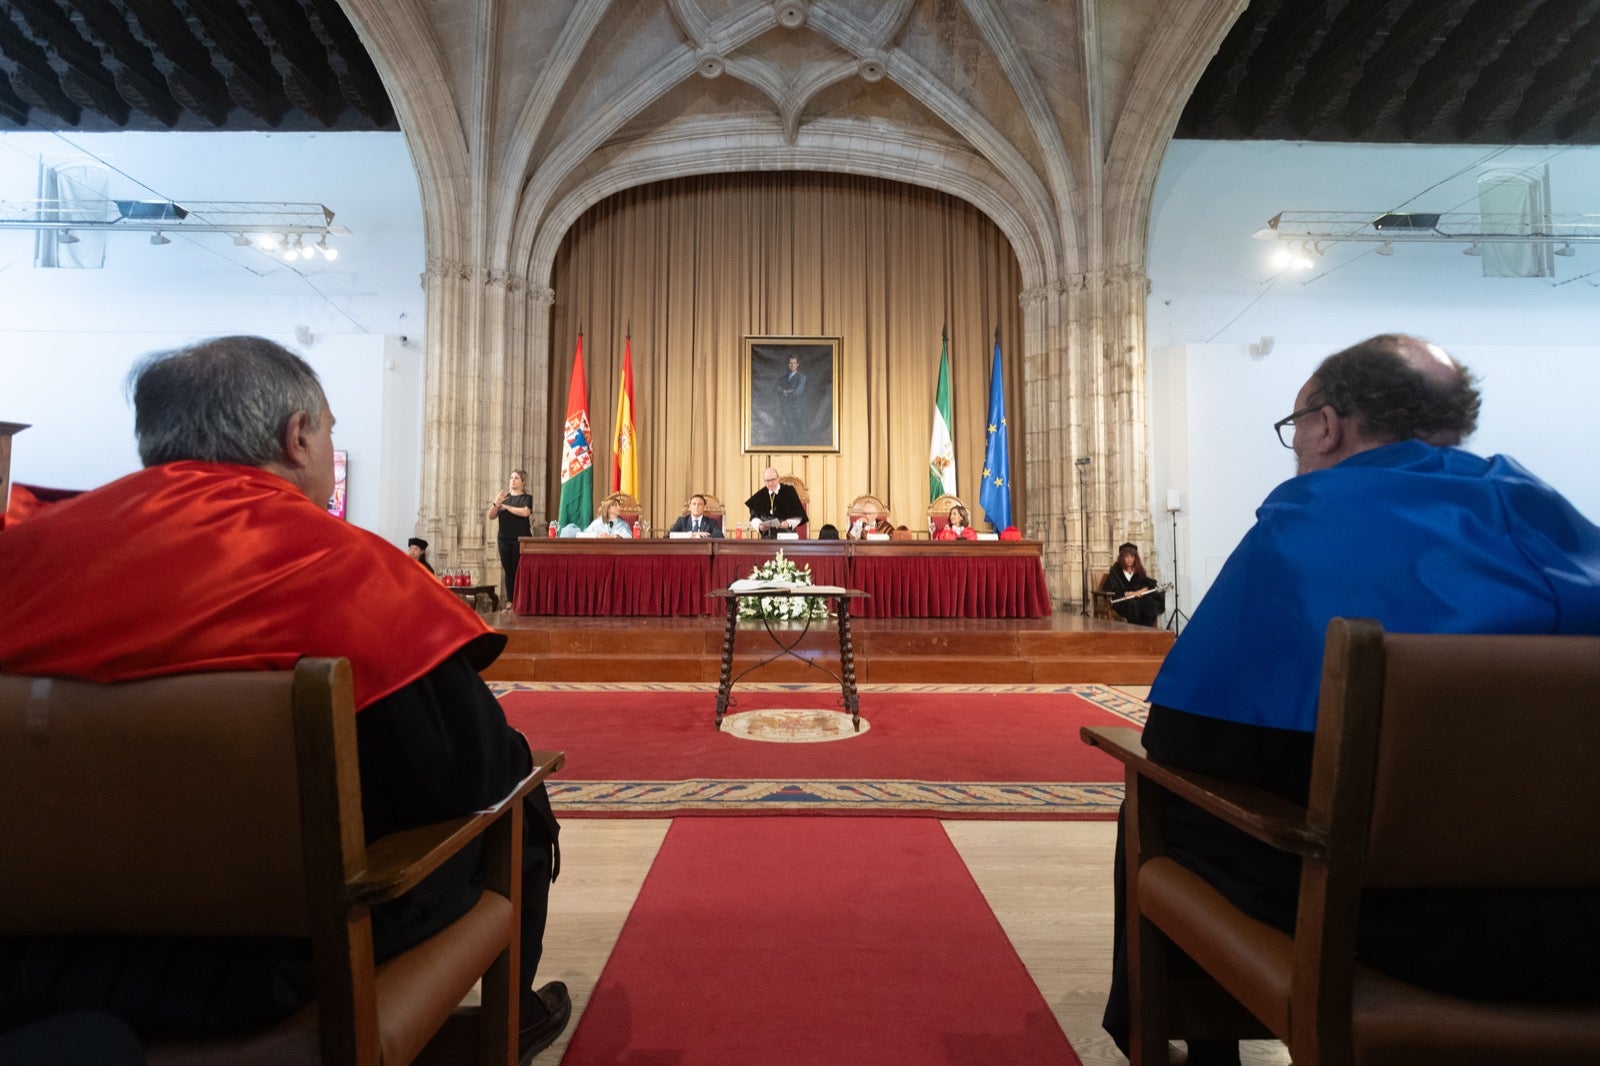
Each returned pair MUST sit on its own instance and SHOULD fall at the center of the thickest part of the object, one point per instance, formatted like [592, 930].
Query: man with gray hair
[1386, 518]
[223, 557]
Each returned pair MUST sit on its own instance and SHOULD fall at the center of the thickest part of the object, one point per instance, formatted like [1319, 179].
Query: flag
[577, 462]
[624, 459]
[942, 453]
[995, 494]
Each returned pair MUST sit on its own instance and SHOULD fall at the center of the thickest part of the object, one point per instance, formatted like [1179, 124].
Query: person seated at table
[697, 523]
[1142, 601]
[417, 548]
[775, 506]
[957, 528]
[869, 521]
[608, 522]
[828, 532]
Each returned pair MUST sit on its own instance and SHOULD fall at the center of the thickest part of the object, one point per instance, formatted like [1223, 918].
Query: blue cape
[1424, 539]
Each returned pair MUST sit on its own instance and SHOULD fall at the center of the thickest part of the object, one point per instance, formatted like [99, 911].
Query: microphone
[1084, 461]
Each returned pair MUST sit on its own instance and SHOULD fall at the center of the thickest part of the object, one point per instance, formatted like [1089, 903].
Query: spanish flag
[624, 454]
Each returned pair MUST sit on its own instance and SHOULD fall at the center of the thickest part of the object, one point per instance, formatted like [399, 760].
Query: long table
[906, 579]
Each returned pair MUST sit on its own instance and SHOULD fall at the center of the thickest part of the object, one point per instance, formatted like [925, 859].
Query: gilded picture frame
[791, 394]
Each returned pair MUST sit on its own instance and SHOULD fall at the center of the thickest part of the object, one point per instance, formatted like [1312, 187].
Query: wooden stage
[1063, 648]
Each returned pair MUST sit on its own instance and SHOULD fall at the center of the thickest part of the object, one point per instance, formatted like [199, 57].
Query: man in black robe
[775, 506]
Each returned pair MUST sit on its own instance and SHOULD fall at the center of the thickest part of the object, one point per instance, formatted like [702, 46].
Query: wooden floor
[1061, 649]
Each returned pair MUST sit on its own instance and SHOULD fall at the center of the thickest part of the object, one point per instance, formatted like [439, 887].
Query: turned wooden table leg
[847, 664]
[725, 683]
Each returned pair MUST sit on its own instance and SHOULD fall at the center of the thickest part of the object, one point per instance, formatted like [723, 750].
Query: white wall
[69, 337]
[1530, 341]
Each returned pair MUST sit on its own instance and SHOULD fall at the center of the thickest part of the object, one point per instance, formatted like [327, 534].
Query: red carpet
[825, 959]
[651, 753]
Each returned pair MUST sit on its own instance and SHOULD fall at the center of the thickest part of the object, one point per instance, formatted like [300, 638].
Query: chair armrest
[1264, 815]
[397, 862]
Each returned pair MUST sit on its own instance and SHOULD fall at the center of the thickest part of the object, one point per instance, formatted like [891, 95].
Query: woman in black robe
[1127, 576]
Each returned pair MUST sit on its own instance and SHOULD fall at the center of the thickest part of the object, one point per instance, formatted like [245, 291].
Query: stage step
[886, 652]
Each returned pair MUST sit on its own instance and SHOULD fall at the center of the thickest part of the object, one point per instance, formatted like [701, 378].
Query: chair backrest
[939, 512]
[630, 505]
[860, 502]
[1451, 716]
[177, 805]
[714, 506]
[804, 494]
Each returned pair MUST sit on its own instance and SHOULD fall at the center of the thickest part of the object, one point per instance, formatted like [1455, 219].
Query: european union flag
[995, 494]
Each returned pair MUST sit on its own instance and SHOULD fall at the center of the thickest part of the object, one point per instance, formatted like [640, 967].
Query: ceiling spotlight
[160, 238]
[1281, 258]
[267, 242]
[66, 236]
[241, 240]
[1566, 249]
[1386, 248]
[330, 254]
[291, 253]
[1472, 249]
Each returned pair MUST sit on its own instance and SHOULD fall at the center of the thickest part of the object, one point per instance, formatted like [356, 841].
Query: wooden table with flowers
[771, 603]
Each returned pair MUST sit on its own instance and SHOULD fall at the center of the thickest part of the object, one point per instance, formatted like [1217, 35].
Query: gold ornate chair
[630, 506]
[805, 500]
[229, 804]
[939, 512]
[1406, 727]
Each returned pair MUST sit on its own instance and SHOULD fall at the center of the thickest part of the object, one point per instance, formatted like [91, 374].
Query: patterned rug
[945, 751]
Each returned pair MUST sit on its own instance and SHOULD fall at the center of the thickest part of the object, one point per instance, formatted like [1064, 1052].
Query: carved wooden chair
[1407, 727]
[229, 805]
[939, 512]
[629, 504]
[805, 500]
[859, 504]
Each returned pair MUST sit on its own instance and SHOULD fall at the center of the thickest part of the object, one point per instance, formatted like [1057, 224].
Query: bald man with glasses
[775, 507]
[1385, 518]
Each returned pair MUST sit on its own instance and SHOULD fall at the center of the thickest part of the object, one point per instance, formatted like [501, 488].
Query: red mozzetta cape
[193, 566]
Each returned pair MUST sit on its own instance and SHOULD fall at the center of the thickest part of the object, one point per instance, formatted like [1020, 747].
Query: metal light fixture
[1472, 249]
[160, 238]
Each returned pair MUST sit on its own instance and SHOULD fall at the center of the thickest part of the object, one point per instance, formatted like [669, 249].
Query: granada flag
[624, 458]
[577, 462]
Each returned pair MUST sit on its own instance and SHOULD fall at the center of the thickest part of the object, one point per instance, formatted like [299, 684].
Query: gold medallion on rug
[792, 725]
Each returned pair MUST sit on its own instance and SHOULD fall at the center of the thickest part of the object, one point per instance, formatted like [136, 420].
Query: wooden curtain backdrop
[697, 264]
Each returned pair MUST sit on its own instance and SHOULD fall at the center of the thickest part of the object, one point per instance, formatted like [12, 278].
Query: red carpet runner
[948, 755]
[814, 940]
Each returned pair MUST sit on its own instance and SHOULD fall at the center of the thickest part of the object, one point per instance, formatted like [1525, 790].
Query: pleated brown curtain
[698, 264]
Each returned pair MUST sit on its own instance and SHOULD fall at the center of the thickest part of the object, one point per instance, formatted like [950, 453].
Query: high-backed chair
[939, 512]
[229, 805]
[805, 500]
[714, 506]
[1408, 729]
[858, 504]
[630, 506]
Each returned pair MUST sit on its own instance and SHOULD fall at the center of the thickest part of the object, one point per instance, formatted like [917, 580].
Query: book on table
[767, 587]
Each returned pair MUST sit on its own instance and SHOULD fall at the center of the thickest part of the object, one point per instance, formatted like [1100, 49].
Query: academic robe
[1425, 540]
[781, 505]
[221, 567]
[1142, 610]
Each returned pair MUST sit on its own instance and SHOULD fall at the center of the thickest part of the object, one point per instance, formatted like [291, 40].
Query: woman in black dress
[1127, 576]
[512, 507]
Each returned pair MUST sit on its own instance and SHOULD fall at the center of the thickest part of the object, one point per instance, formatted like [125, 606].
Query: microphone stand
[1175, 623]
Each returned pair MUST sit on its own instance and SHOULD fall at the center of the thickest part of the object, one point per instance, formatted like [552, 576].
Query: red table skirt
[593, 585]
[625, 580]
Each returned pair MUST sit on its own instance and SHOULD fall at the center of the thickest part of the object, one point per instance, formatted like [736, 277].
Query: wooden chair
[230, 805]
[1407, 727]
[714, 506]
[1102, 606]
[939, 512]
[805, 500]
[630, 506]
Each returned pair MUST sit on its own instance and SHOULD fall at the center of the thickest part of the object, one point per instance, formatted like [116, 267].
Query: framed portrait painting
[791, 394]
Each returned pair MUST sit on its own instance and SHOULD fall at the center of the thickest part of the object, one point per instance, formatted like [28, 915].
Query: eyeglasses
[1282, 423]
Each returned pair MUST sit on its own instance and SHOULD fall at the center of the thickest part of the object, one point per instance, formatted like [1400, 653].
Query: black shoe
[536, 1036]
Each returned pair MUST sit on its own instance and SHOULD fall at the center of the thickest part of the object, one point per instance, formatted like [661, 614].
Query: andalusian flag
[624, 458]
[995, 494]
[942, 453]
[577, 462]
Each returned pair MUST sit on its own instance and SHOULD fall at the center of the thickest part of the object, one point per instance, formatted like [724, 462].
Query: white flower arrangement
[782, 571]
